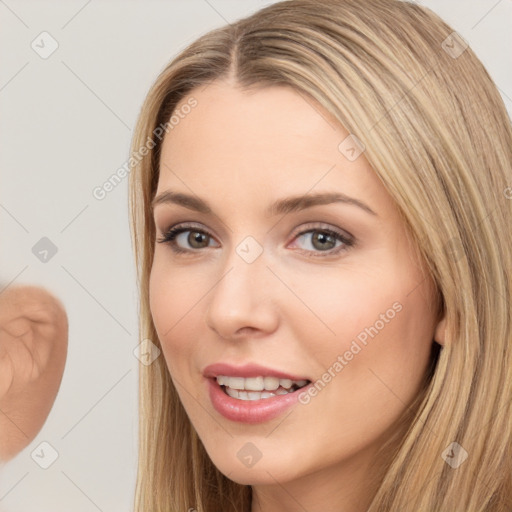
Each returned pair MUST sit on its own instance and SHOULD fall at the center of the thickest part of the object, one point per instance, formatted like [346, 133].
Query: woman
[321, 210]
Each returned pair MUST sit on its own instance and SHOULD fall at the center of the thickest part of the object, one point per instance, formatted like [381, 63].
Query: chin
[251, 476]
[241, 469]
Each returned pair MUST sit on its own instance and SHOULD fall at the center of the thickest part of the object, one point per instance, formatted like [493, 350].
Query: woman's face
[293, 265]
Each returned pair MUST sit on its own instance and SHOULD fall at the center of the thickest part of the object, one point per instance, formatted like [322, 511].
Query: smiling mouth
[257, 388]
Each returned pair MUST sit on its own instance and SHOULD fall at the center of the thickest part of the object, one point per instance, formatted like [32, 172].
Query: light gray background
[66, 124]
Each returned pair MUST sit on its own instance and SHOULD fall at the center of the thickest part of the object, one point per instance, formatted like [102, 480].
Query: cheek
[381, 320]
[337, 306]
[174, 298]
[399, 354]
[174, 292]
[372, 366]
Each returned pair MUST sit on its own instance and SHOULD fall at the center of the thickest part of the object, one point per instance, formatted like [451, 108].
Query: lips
[251, 393]
[248, 370]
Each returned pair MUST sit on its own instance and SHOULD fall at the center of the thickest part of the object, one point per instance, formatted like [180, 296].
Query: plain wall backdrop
[66, 121]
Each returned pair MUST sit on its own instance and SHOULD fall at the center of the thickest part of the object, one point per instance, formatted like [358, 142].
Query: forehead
[273, 122]
[267, 141]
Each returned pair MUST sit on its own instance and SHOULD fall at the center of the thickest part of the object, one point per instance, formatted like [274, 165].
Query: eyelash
[170, 235]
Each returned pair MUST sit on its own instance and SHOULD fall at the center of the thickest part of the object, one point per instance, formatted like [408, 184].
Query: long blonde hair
[438, 136]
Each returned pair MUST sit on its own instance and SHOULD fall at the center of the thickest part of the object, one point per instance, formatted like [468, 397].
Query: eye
[323, 240]
[186, 238]
[319, 241]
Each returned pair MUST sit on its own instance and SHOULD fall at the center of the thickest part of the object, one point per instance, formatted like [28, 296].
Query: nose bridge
[242, 296]
[245, 269]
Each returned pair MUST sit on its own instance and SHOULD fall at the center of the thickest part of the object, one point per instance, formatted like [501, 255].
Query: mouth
[258, 388]
[252, 393]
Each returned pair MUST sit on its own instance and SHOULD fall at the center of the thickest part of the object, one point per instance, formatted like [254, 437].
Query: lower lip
[250, 411]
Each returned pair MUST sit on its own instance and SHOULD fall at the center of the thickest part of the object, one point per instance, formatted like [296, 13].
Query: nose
[242, 302]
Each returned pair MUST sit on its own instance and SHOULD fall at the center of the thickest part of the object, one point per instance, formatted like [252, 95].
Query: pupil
[322, 238]
[196, 238]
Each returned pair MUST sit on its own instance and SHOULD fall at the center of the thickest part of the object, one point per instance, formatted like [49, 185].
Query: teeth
[271, 383]
[250, 388]
[250, 395]
[254, 384]
[235, 382]
[233, 393]
[285, 383]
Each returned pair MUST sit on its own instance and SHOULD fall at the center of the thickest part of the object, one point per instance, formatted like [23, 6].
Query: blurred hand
[33, 350]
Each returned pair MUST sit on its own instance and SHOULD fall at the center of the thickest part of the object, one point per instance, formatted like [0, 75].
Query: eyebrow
[279, 207]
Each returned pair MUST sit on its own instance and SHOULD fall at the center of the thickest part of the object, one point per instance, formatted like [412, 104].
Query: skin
[240, 151]
[33, 349]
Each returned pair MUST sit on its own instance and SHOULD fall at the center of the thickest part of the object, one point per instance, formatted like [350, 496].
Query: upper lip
[247, 370]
